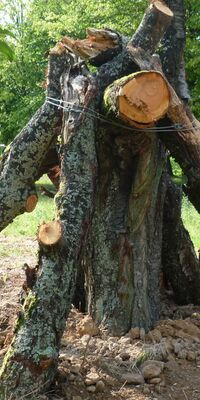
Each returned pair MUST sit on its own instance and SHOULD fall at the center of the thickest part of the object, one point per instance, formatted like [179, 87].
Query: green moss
[29, 305]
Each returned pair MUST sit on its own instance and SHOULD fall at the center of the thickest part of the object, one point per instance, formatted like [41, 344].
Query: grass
[27, 223]
[191, 220]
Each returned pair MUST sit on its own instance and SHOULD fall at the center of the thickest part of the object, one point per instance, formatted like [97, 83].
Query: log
[49, 234]
[31, 203]
[139, 99]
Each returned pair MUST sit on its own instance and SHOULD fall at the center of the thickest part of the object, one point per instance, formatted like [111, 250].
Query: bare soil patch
[95, 365]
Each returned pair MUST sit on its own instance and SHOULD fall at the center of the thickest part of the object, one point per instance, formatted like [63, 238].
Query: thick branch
[157, 16]
[21, 162]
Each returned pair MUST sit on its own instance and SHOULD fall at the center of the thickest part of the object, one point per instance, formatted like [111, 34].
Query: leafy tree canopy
[38, 24]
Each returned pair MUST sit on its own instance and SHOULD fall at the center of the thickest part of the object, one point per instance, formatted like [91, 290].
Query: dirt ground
[162, 364]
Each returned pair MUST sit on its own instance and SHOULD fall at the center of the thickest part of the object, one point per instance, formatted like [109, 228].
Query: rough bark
[180, 262]
[113, 230]
[172, 54]
[31, 361]
[122, 261]
[22, 160]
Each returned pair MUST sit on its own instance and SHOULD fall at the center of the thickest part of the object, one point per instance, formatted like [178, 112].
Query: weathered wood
[139, 99]
[30, 364]
[100, 45]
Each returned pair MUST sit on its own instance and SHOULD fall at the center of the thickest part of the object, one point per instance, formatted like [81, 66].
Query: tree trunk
[109, 205]
[123, 258]
[31, 361]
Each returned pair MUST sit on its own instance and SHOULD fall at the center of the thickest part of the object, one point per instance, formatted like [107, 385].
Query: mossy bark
[30, 364]
[123, 255]
[22, 160]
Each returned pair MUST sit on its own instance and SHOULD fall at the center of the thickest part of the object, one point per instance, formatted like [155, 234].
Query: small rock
[152, 369]
[125, 356]
[75, 369]
[146, 390]
[134, 333]
[153, 336]
[191, 355]
[166, 330]
[182, 354]
[100, 385]
[87, 327]
[71, 377]
[91, 389]
[92, 378]
[76, 398]
[125, 340]
[62, 356]
[155, 381]
[134, 379]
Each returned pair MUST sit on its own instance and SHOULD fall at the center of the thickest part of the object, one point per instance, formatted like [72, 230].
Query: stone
[166, 330]
[71, 377]
[146, 390]
[191, 355]
[182, 354]
[152, 369]
[76, 398]
[74, 369]
[91, 389]
[155, 381]
[133, 378]
[125, 356]
[125, 340]
[92, 378]
[100, 385]
[87, 327]
[134, 333]
[153, 336]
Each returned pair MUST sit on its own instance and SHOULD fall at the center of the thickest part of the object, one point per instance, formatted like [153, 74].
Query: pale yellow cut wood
[31, 203]
[50, 233]
[144, 98]
[161, 6]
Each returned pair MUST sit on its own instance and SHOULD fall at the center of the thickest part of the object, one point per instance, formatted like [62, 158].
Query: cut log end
[31, 203]
[162, 7]
[49, 233]
[144, 98]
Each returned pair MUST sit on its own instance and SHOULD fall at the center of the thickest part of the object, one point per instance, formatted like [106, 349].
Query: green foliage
[38, 24]
[5, 49]
[192, 54]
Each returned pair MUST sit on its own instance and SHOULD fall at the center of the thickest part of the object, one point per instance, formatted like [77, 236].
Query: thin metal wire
[94, 114]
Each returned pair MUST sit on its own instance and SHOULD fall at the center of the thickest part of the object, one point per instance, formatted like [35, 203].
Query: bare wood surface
[139, 99]
[31, 203]
[49, 233]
